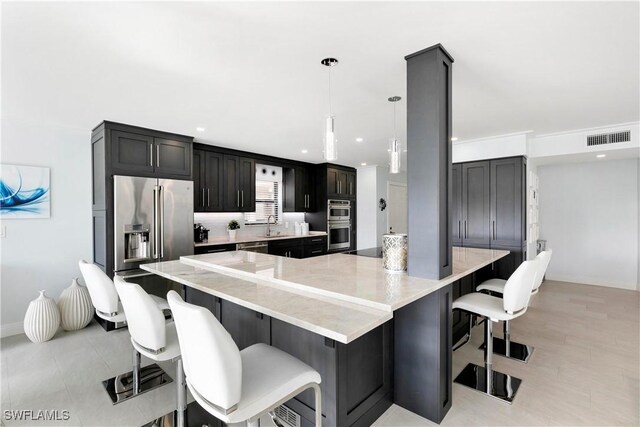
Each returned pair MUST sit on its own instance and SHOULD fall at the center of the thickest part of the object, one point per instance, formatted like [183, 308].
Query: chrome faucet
[269, 224]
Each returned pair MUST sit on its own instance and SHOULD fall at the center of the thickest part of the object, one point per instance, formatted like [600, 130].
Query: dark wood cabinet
[137, 154]
[489, 208]
[207, 181]
[460, 321]
[456, 204]
[198, 250]
[302, 247]
[507, 202]
[475, 204]
[290, 248]
[341, 183]
[239, 184]
[297, 194]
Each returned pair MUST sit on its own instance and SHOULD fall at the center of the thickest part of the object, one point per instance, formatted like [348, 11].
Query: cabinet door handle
[203, 197]
[465, 229]
[208, 199]
[350, 188]
[316, 252]
[157, 157]
[238, 199]
[151, 154]
[493, 229]
[216, 250]
[459, 236]
[242, 193]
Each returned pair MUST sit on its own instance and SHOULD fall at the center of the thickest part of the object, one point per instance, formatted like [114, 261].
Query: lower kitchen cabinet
[199, 250]
[303, 247]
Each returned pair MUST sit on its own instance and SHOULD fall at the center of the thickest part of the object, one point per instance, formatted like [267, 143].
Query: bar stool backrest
[543, 258]
[144, 318]
[517, 289]
[103, 294]
[212, 362]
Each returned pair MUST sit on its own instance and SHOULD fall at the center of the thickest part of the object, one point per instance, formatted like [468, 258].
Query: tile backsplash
[217, 224]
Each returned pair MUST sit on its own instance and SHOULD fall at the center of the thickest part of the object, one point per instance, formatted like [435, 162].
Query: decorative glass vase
[42, 319]
[75, 306]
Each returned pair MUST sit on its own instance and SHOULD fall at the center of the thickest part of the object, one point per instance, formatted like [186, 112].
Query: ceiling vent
[608, 138]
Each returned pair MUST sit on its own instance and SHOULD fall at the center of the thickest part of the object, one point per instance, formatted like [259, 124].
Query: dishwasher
[260, 247]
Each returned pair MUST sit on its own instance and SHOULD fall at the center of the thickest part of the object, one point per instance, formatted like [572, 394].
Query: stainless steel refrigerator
[153, 222]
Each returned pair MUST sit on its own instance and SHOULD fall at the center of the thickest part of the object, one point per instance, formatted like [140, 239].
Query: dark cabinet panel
[131, 152]
[290, 248]
[198, 250]
[231, 186]
[475, 204]
[342, 182]
[246, 326]
[507, 202]
[297, 190]
[172, 158]
[247, 184]
[212, 184]
[198, 181]
[351, 184]
[317, 250]
[460, 321]
[456, 204]
[332, 183]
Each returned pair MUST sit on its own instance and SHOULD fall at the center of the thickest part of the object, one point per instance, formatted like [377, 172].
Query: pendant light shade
[330, 142]
[394, 146]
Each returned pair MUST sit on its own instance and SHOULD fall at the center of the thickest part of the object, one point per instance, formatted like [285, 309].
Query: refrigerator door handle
[161, 215]
[156, 221]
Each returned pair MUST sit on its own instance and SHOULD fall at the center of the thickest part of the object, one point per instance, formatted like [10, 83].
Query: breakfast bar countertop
[350, 278]
[338, 296]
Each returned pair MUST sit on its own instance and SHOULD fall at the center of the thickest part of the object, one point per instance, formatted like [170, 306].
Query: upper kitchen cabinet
[341, 183]
[297, 194]
[207, 181]
[239, 184]
[475, 204]
[508, 202]
[144, 152]
[456, 204]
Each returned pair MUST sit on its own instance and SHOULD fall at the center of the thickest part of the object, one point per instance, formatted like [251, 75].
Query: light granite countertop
[338, 296]
[224, 240]
[351, 278]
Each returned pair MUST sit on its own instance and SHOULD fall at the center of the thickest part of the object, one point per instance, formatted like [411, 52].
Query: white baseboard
[11, 329]
[589, 281]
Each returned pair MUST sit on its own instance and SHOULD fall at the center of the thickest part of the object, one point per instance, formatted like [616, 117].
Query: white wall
[44, 253]
[589, 217]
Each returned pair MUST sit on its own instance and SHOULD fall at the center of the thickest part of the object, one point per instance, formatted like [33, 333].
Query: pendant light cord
[395, 137]
[330, 91]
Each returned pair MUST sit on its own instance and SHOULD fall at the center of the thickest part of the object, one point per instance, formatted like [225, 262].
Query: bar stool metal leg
[182, 394]
[511, 349]
[485, 379]
[139, 380]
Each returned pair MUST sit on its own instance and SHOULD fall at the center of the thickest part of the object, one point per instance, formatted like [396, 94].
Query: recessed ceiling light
[600, 156]
[363, 164]
[200, 129]
[454, 139]
[305, 151]
[359, 139]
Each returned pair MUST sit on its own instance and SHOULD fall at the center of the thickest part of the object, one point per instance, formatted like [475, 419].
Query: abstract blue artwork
[24, 192]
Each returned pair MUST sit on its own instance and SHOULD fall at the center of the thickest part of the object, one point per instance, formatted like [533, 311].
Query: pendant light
[330, 143]
[394, 146]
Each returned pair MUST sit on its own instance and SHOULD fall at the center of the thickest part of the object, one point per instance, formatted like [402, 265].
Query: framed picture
[24, 192]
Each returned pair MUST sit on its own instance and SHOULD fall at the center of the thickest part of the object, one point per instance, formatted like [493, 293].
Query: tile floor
[584, 371]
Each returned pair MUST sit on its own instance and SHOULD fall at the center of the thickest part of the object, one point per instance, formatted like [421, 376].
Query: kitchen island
[369, 333]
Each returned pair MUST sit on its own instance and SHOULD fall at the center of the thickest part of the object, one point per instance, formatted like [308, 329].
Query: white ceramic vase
[42, 319]
[76, 310]
[232, 234]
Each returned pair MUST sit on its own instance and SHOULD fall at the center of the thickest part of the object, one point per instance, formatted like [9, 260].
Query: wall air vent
[608, 138]
[288, 417]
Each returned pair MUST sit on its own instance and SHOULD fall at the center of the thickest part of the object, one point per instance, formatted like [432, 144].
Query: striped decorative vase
[75, 307]
[42, 319]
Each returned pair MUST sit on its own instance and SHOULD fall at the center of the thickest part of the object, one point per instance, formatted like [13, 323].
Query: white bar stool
[504, 346]
[236, 386]
[514, 303]
[154, 338]
[104, 298]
